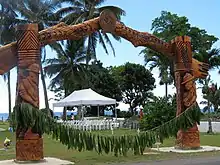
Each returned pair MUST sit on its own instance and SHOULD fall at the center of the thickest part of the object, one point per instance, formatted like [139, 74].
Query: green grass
[53, 148]
[4, 125]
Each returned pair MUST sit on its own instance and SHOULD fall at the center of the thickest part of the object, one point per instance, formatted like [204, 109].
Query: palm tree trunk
[209, 120]
[44, 88]
[9, 94]
[131, 110]
[215, 108]
[166, 90]
[79, 112]
[64, 114]
[64, 108]
[210, 126]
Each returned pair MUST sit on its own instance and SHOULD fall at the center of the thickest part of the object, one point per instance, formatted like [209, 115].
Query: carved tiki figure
[185, 90]
[29, 146]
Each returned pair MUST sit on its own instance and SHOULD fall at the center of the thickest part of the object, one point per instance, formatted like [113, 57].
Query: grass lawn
[53, 148]
[3, 125]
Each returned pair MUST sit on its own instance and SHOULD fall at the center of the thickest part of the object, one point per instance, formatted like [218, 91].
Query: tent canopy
[84, 97]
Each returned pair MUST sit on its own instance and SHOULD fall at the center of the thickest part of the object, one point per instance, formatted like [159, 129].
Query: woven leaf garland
[26, 116]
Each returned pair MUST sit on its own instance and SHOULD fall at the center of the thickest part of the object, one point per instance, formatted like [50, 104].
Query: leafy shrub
[44, 110]
[158, 111]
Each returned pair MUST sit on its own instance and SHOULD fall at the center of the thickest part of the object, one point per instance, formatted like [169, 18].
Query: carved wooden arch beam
[8, 53]
[108, 23]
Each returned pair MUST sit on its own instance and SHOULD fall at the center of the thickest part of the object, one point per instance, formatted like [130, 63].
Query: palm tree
[68, 69]
[157, 60]
[212, 57]
[79, 11]
[206, 96]
[7, 20]
[212, 96]
[42, 13]
[7, 79]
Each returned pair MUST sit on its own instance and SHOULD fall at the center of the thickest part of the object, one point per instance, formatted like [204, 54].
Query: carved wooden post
[29, 146]
[185, 92]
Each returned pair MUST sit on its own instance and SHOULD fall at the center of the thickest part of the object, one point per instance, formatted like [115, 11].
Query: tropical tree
[101, 80]
[167, 26]
[78, 11]
[68, 69]
[162, 63]
[7, 21]
[207, 103]
[136, 84]
[212, 57]
[211, 94]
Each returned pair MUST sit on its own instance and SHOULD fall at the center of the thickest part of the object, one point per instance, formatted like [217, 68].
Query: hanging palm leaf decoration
[26, 116]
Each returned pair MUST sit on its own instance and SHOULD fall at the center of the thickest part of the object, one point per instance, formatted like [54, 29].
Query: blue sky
[139, 15]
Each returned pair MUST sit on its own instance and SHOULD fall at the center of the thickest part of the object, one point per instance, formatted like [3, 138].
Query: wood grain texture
[29, 150]
[71, 32]
[186, 92]
[143, 39]
[8, 57]
[28, 65]
[29, 146]
[179, 96]
[188, 139]
[189, 93]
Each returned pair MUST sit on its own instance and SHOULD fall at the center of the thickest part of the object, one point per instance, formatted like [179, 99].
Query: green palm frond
[215, 62]
[91, 48]
[108, 41]
[77, 3]
[117, 38]
[53, 69]
[66, 10]
[56, 46]
[81, 10]
[81, 17]
[99, 2]
[102, 42]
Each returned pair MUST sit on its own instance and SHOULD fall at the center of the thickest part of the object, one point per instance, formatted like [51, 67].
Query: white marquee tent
[84, 97]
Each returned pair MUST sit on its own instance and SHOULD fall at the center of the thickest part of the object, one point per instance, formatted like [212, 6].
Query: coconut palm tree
[68, 70]
[77, 11]
[207, 103]
[212, 57]
[7, 22]
[211, 94]
[157, 60]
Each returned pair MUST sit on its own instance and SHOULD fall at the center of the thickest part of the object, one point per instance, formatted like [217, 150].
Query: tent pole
[98, 110]
[116, 112]
[82, 112]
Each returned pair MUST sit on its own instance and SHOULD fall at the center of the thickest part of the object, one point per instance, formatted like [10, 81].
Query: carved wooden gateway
[25, 54]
